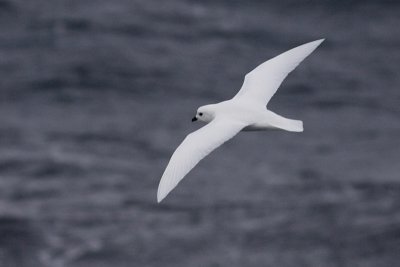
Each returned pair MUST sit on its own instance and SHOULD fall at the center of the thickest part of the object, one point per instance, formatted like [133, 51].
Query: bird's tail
[294, 126]
[284, 123]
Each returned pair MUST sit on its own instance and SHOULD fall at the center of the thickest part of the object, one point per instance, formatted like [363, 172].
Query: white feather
[246, 111]
[262, 83]
[194, 148]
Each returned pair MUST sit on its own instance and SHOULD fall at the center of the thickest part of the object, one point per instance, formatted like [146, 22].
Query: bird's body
[256, 118]
[246, 111]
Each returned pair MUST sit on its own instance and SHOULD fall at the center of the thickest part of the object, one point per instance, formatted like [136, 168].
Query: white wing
[194, 148]
[261, 83]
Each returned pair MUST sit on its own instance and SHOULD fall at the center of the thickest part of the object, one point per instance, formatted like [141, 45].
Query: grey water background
[96, 95]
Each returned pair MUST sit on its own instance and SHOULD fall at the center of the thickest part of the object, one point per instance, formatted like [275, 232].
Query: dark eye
[201, 113]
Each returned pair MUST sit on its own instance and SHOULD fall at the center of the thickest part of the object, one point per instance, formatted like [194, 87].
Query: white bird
[245, 111]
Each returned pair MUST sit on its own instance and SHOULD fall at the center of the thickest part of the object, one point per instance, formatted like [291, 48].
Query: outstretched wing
[194, 148]
[261, 83]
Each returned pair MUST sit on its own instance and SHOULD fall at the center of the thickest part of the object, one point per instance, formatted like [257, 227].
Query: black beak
[194, 118]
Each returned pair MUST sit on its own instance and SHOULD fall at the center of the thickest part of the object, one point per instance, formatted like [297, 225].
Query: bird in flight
[246, 111]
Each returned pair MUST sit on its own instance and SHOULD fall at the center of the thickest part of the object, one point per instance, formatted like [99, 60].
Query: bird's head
[204, 113]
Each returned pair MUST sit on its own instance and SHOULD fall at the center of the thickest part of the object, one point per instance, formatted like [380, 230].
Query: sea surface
[96, 95]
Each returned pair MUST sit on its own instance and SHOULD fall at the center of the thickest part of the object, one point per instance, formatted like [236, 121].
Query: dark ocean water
[96, 95]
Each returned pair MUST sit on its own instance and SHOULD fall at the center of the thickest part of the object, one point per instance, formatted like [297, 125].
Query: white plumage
[245, 111]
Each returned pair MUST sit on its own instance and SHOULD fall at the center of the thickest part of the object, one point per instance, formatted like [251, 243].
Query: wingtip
[319, 41]
[159, 197]
[161, 194]
[312, 45]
